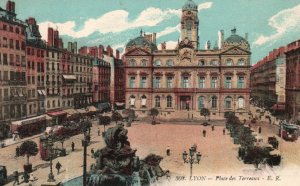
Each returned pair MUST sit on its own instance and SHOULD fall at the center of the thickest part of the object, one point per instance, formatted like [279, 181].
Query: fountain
[117, 165]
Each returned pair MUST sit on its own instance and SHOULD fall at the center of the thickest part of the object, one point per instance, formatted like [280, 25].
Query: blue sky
[270, 23]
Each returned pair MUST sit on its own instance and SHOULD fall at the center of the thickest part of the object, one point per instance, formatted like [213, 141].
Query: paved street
[219, 154]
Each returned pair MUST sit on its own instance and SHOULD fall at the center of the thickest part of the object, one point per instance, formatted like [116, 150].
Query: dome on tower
[190, 5]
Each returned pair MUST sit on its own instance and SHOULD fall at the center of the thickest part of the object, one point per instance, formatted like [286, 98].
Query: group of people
[29, 176]
[212, 129]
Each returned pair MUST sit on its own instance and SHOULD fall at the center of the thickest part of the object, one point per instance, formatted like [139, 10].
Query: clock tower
[189, 23]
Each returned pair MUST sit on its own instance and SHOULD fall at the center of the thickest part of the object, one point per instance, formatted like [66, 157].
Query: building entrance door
[185, 102]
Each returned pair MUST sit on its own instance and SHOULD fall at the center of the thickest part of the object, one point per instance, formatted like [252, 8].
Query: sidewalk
[11, 141]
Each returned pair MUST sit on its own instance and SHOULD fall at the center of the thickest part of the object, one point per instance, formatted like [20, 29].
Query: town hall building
[188, 78]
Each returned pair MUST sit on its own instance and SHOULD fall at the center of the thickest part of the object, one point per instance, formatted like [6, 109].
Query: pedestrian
[224, 131]
[98, 132]
[17, 151]
[58, 166]
[244, 121]
[26, 177]
[16, 178]
[73, 146]
[92, 152]
[259, 130]
[168, 151]
[212, 127]
[14, 137]
[204, 133]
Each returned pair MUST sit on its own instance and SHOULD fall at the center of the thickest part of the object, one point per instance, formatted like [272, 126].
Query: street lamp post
[50, 142]
[194, 157]
[85, 143]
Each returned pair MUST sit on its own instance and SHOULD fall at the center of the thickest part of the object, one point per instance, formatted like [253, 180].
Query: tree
[104, 120]
[116, 116]
[153, 112]
[4, 130]
[257, 155]
[62, 134]
[204, 112]
[28, 148]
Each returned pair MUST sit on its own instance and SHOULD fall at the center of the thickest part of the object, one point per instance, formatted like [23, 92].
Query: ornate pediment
[237, 51]
[137, 52]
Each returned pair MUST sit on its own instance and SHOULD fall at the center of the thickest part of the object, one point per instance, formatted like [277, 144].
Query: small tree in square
[28, 148]
[116, 116]
[153, 112]
[104, 120]
[204, 112]
[62, 135]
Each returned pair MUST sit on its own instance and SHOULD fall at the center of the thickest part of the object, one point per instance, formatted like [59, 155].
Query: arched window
[144, 62]
[228, 101]
[241, 102]
[169, 101]
[170, 63]
[228, 82]
[241, 62]
[144, 101]
[132, 101]
[132, 62]
[201, 82]
[189, 25]
[201, 63]
[157, 63]
[185, 81]
[157, 101]
[214, 102]
[48, 104]
[214, 62]
[241, 82]
[200, 102]
[53, 103]
[229, 62]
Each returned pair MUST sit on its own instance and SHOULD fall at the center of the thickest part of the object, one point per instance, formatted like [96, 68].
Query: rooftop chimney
[60, 43]
[50, 36]
[154, 38]
[55, 38]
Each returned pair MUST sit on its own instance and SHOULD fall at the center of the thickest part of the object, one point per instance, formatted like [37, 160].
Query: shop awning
[278, 107]
[57, 113]
[91, 109]
[29, 120]
[69, 77]
[81, 111]
[48, 118]
[40, 92]
[119, 104]
[44, 92]
[71, 111]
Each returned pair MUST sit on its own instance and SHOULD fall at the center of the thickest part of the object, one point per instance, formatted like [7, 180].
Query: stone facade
[268, 79]
[293, 80]
[13, 89]
[187, 78]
